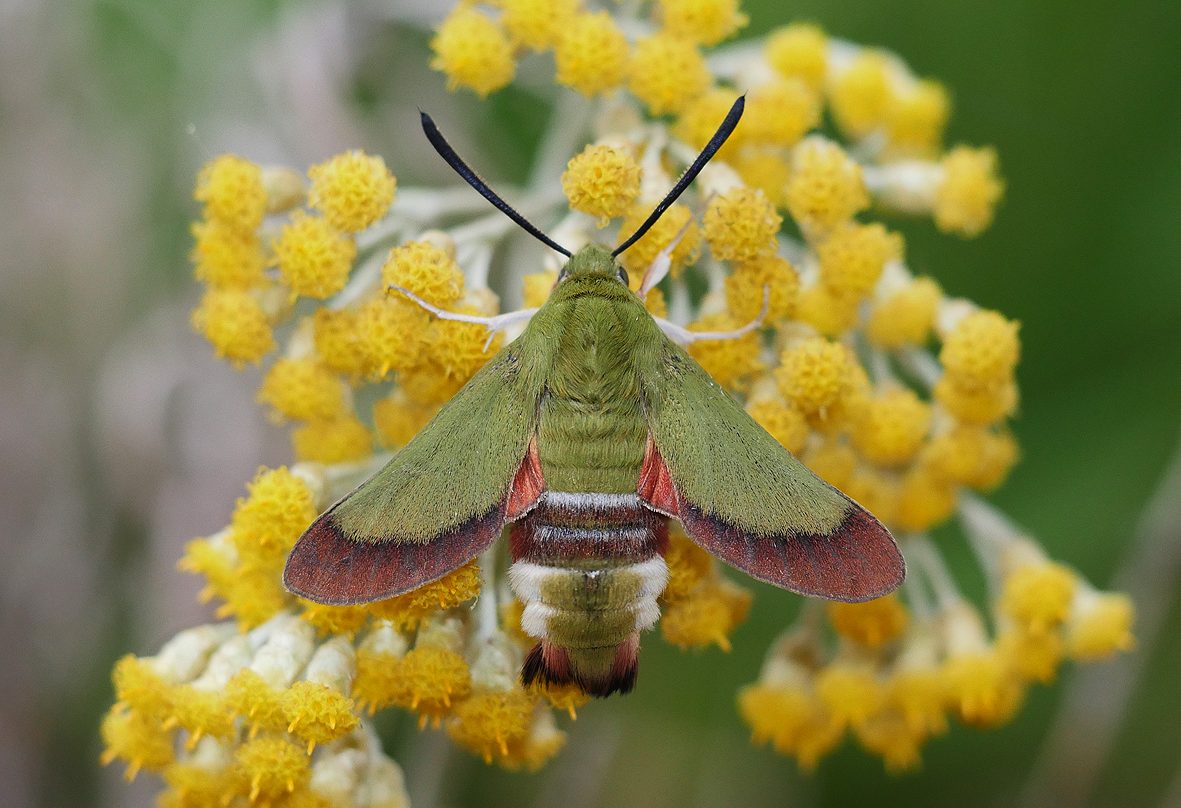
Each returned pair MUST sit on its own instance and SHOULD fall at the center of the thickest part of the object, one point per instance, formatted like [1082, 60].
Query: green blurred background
[121, 438]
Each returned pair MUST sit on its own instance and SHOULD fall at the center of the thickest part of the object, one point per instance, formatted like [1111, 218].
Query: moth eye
[623, 276]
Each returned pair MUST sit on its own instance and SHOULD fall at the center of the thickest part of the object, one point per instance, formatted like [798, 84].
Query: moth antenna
[471, 178]
[711, 148]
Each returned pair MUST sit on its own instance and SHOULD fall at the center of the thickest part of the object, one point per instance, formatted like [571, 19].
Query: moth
[583, 437]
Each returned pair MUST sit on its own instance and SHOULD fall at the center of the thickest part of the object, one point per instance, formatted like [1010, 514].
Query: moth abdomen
[589, 569]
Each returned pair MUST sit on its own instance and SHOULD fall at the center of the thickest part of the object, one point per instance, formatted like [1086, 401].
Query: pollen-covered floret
[968, 192]
[303, 390]
[536, 24]
[591, 54]
[278, 508]
[826, 186]
[892, 427]
[637, 257]
[337, 440]
[707, 615]
[225, 256]
[981, 351]
[666, 72]
[235, 323]
[861, 94]
[853, 256]
[1099, 625]
[353, 190]
[704, 21]
[815, 374]
[314, 257]
[906, 316]
[741, 225]
[917, 117]
[799, 51]
[473, 51]
[602, 181]
[426, 269]
[780, 112]
[232, 192]
[871, 624]
[731, 361]
[1037, 595]
[746, 284]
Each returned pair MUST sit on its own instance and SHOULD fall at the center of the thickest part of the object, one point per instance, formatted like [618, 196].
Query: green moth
[584, 436]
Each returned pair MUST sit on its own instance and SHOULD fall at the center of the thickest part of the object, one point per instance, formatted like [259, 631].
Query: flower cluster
[881, 383]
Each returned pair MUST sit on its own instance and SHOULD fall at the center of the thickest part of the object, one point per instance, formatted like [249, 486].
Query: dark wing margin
[439, 502]
[743, 497]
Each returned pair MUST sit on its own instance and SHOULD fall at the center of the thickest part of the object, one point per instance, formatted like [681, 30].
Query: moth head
[593, 261]
[590, 260]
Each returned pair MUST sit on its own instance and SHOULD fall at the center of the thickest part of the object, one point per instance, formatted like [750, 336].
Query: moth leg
[662, 263]
[497, 323]
[684, 337]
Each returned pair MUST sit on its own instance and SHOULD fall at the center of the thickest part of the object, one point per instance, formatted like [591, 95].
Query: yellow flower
[640, 255]
[801, 51]
[833, 462]
[258, 704]
[537, 24]
[235, 324]
[333, 620]
[829, 313]
[780, 112]
[707, 615]
[432, 681]
[969, 191]
[338, 340]
[353, 190]
[398, 419]
[490, 722]
[427, 270]
[699, 119]
[137, 738]
[666, 72]
[826, 186]
[231, 189]
[1034, 656]
[272, 765]
[891, 430]
[460, 349]
[313, 256]
[888, 735]
[906, 316]
[850, 692]
[537, 287]
[730, 361]
[567, 698]
[472, 51]
[861, 94]
[919, 694]
[602, 181]
[140, 686]
[981, 351]
[853, 256]
[408, 610]
[871, 624]
[303, 390]
[779, 714]
[316, 713]
[977, 405]
[225, 256]
[704, 21]
[924, 500]
[815, 374]
[392, 335]
[741, 225]
[687, 564]
[379, 668]
[917, 117]
[591, 54]
[975, 456]
[983, 690]
[253, 594]
[782, 421]
[765, 168]
[278, 509]
[1100, 624]
[1037, 596]
[337, 440]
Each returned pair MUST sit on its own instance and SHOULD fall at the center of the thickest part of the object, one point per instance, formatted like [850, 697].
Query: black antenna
[461, 168]
[711, 148]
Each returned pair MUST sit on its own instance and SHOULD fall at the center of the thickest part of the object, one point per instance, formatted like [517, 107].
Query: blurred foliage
[1079, 101]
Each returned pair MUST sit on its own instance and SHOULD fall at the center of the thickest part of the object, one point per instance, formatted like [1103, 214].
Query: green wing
[439, 502]
[746, 499]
